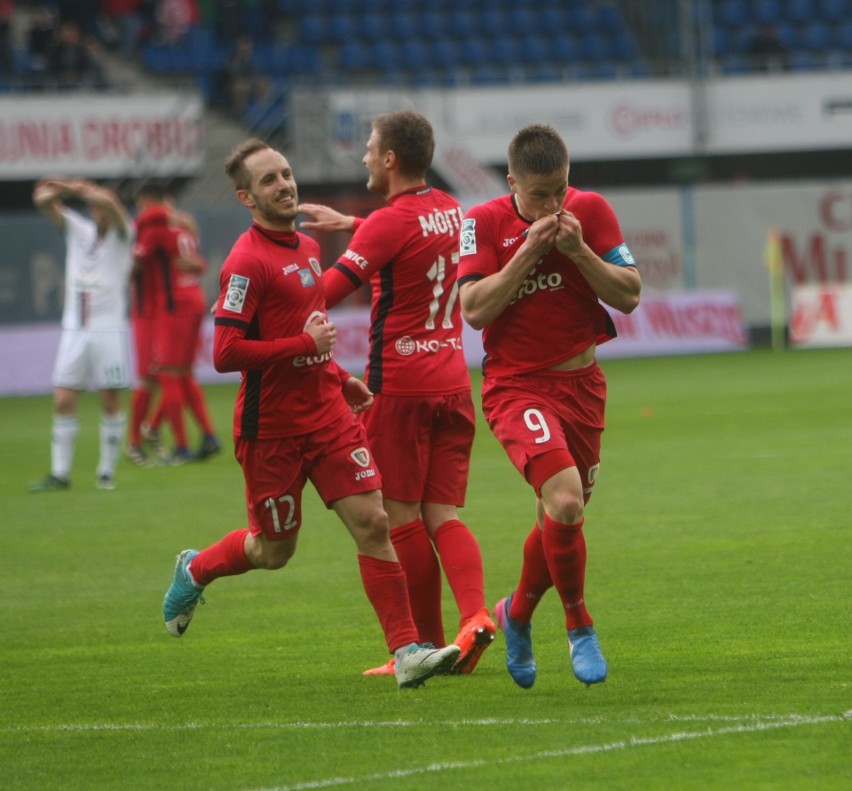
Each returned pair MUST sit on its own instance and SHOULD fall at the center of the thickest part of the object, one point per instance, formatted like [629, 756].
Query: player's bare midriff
[581, 360]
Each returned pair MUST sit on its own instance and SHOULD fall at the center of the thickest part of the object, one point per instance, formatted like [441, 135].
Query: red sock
[172, 405]
[140, 402]
[157, 417]
[535, 579]
[462, 563]
[565, 548]
[193, 397]
[423, 580]
[384, 583]
[225, 558]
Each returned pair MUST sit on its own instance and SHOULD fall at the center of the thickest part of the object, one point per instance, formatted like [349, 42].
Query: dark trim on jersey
[356, 281]
[518, 211]
[251, 396]
[294, 245]
[224, 321]
[162, 258]
[377, 335]
[472, 278]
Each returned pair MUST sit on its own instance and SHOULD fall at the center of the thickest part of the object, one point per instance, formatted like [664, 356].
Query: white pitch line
[792, 722]
[360, 724]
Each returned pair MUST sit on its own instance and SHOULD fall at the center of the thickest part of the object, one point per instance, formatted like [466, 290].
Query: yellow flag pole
[777, 296]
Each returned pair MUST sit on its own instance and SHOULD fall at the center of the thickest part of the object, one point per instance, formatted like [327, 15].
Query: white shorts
[92, 359]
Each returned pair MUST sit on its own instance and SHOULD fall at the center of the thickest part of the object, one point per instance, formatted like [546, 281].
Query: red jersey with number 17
[270, 290]
[409, 251]
[555, 315]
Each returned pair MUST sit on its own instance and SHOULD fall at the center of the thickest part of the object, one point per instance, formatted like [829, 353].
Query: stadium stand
[480, 42]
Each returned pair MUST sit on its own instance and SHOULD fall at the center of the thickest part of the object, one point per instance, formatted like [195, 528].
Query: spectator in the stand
[72, 63]
[766, 50]
[40, 38]
[175, 18]
[120, 23]
[244, 82]
[83, 13]
[7, 8]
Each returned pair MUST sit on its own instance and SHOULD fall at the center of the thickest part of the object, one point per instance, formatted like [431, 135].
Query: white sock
[62, 441]
[112, 434]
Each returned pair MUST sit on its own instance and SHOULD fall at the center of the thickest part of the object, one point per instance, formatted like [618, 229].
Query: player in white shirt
[93, 351]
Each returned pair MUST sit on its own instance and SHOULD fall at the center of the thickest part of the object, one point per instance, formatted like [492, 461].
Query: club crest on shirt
[306, 278]
[468, 237]
[361, 456]
[315, 265]
[235, 296]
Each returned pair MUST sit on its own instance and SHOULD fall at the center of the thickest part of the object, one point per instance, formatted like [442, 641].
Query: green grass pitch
[719, 577]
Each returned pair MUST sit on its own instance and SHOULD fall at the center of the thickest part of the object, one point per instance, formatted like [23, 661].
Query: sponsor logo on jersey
[550, 281]
[468, 237]
[290, 268]
[406, 345]
[304, 360]
[355, 258]
[510, 241]
[306, 277]
[361, 456]
[235, 296]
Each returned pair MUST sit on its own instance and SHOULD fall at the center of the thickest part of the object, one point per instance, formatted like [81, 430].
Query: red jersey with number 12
[270, 289]
[409, 251]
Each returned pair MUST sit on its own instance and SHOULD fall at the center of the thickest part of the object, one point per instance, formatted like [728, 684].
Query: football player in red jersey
[535, 266]
[167, 259]
[293, 419]
[421, 426]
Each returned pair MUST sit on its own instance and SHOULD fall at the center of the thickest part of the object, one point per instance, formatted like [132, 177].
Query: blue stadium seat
[733, 13]
[373, 26]
[386, 56]
[608, 18]
[311, 28]
[801, 11]
[787, 35]
[552, 19]
[579, 20]
[594, 48]
[461, 23]
[414, 55]
[566, 49]
[768, 12]
[536, 49]
[474, 52]
[816, 36]
[432, 24]
[835, 10]
[353, 56]
[446, 53]
[492, 21]
[622, 46]
[505, 50]
[522, 20]
[342, 28]
[843, 36]
[547, 73]
[402, 24]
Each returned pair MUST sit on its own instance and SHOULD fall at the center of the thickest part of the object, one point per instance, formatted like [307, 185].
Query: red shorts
[335, 459]
[551, 410]
[143, 345]
[176, 339]
[422, 445]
